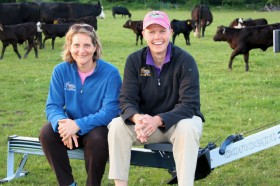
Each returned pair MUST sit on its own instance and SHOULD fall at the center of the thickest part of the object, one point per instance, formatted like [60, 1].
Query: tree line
[189, 2]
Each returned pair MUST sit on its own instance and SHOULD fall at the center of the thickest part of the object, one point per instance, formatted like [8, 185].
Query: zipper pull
[158, 82]
[82, 89]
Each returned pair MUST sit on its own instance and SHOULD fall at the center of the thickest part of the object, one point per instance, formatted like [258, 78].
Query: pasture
[231, 101]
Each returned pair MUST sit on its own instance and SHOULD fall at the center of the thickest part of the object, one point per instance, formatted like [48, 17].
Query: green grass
[232, 101]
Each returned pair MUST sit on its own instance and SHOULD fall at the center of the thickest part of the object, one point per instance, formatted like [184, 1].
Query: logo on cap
[155, 15]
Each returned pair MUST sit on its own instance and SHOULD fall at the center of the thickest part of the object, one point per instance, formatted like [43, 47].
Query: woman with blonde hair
[82, 100]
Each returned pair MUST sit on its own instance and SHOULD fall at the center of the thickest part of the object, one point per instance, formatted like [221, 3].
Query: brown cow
[202, 17]
[137, 27]
[245, 39]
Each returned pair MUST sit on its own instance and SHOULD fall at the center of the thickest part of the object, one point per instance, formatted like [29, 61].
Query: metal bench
[152, 155]
[158, 155]
[31, 146]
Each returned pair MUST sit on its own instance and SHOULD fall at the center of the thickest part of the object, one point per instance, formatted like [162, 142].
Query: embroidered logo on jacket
[145, 72]
[69, 86]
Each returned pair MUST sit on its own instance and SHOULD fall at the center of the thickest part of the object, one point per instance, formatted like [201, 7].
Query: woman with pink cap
[160, 102]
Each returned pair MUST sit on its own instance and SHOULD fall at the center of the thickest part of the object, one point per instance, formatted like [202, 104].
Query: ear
[171, 30]
[144, 35]
[224, 30]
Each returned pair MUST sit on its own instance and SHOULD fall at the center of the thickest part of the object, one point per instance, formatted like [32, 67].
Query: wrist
[135, 117]
[161, 122]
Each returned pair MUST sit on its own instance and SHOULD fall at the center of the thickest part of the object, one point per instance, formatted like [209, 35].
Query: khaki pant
[184, 136]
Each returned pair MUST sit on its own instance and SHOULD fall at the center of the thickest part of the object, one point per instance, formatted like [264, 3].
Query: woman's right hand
[68, 142]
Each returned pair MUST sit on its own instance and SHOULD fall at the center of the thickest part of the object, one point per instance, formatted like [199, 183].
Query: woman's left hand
[67, 128]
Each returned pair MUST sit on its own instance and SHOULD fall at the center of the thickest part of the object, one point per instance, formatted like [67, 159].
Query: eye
[87, 45]
[75, 45]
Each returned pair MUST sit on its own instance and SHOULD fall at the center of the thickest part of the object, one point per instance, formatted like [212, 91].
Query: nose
[157, 35]
[82, 49]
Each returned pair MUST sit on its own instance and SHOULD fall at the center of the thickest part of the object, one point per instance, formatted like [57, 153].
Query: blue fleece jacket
[93, 104]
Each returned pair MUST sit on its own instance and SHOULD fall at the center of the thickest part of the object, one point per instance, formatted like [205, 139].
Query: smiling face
[157, 38]
[82, 50]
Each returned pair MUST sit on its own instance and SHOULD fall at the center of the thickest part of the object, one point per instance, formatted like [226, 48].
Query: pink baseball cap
[156, 17]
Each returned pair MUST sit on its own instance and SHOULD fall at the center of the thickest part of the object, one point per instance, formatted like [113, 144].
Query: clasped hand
[67, 129]
[145, 126]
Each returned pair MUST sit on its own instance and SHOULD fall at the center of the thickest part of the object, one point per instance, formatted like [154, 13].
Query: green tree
[274, 2]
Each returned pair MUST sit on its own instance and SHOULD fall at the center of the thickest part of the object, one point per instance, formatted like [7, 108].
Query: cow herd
[28, 20]
[201, 16]
[242, 35]
[25, 21]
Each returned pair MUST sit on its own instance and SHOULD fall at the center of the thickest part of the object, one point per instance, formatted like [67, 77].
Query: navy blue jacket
[173, 95]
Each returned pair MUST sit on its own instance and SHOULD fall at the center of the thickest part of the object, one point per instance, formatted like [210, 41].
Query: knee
[189, 127]
[117, 130]
[97, 136]
[115, 126]
[45, 132]
[47, 136]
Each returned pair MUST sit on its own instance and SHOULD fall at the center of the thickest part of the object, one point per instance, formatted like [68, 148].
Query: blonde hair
[84, 29]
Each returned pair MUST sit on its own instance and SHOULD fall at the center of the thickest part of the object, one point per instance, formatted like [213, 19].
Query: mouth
[81, 56]
[158, 43]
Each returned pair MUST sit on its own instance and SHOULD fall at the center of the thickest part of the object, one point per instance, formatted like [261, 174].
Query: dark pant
[95, 146]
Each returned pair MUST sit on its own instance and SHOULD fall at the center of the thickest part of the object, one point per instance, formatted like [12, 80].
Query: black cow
[102, 14]
[137, 27]
[49, 11]
[184, 27]
[16, 13]
[91, 20]
[202, 17]
[245, 39]
[51, 31]
[241, 23]
[14, 34]
[120, 10]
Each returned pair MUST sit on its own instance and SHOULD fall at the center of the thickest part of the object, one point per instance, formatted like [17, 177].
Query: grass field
[232, 101]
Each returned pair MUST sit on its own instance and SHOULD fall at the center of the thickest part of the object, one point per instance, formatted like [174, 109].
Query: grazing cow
[120, 10]
[137, 27]
[51, 31]
[49, 11]
[202, 17]
[245, 39]
[240, 23]
[184, 27]
[14, 34]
